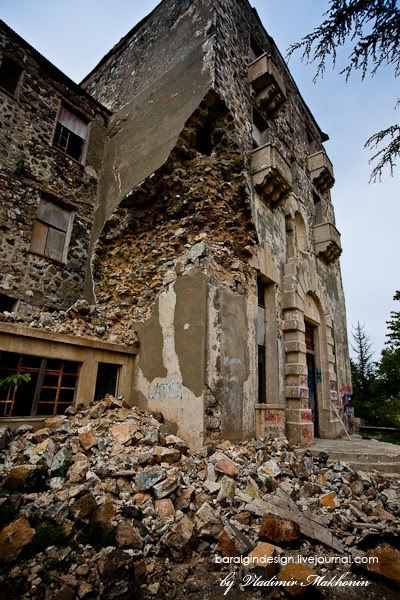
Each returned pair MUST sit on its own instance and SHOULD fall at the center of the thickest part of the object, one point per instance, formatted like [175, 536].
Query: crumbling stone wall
[295, 134]
[153, 80]
[198, 199]
[31, 166]
[179, 213]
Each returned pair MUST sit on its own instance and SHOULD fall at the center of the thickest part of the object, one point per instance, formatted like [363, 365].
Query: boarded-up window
[10, 73]
[51, 229]
[70, 134]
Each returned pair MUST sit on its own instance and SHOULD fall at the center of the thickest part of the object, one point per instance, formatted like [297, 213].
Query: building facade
[193, 212]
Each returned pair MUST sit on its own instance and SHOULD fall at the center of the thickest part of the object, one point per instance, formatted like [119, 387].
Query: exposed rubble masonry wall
[31, 168]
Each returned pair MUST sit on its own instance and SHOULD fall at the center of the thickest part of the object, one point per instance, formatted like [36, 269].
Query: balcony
[327, 242]
[321, 171]
[272, 175]
[268, 84]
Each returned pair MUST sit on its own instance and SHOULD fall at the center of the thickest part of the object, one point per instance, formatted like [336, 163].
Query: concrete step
[386, 468]
[360, 455]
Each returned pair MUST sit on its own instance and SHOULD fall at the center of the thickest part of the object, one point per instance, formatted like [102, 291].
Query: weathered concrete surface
[170, 377]
[153, 84]
[360, 454]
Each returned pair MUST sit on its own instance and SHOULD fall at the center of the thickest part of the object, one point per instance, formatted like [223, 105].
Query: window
[51, 231]
[50, 389]
[8, 304]
[10, 74]
[317, 209]
[259, 129]
[106, 382]
[71, 133]
[301, 233]
[255, 49]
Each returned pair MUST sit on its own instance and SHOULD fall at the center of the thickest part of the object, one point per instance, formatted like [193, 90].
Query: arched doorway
[313, 320]
[310, 335]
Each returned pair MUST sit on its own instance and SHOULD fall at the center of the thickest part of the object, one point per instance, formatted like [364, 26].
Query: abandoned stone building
[167, 233]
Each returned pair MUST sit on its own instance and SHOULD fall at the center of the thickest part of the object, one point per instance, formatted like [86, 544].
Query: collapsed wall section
[153, 80]
[170, 262]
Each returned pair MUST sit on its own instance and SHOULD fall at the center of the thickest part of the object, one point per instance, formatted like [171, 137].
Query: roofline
[119, 45]
[324, 136]
[52, 69]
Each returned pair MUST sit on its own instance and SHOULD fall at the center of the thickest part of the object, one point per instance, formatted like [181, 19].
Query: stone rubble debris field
[105, 502]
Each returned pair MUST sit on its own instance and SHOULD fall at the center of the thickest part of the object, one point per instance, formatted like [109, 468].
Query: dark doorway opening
[106, 382]
[262, 367]
[311, 375]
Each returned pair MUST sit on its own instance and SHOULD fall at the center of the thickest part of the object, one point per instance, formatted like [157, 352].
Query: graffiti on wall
[346, 394]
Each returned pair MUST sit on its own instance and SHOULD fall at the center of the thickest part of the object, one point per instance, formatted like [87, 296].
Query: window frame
[15, 94]
[84, 118]
[45, 376]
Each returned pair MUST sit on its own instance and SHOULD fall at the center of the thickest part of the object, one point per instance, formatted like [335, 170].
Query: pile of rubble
[81, 319]
[106, 503]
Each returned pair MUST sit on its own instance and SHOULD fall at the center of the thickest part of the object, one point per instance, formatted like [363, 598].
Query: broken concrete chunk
[207, 521]
[261, 560]
[128, 536]
[87, 439]
[122, 431]
[270, 468]
[168, 455]
[16, 478]
[329, 500]
[388, 565]
[147, 478]
[196, 251]
[227, 489]
[226, 466]
[278, 530]
[104, 516]
[177, 539]
[165, 507]
[301, 574]
[236, 537]
[13, 539]
[166, 487]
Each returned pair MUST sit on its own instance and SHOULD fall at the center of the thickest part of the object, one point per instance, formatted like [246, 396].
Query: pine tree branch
[374, 28]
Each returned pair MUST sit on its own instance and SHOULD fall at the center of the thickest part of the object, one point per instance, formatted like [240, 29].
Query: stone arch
[305, 299]
[301, 233]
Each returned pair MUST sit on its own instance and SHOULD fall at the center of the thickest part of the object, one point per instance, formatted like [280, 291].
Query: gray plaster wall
[231, 371]
[170, 369]
[153, 80]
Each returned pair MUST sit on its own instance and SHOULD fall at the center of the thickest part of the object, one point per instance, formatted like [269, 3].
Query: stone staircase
[360, 454]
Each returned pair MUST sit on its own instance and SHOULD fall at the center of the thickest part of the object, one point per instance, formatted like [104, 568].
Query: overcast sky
[75, 35]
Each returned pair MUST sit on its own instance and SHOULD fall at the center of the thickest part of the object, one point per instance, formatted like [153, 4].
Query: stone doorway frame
[304, 298]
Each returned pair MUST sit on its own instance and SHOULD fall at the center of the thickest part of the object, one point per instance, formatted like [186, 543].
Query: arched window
[301, 233]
